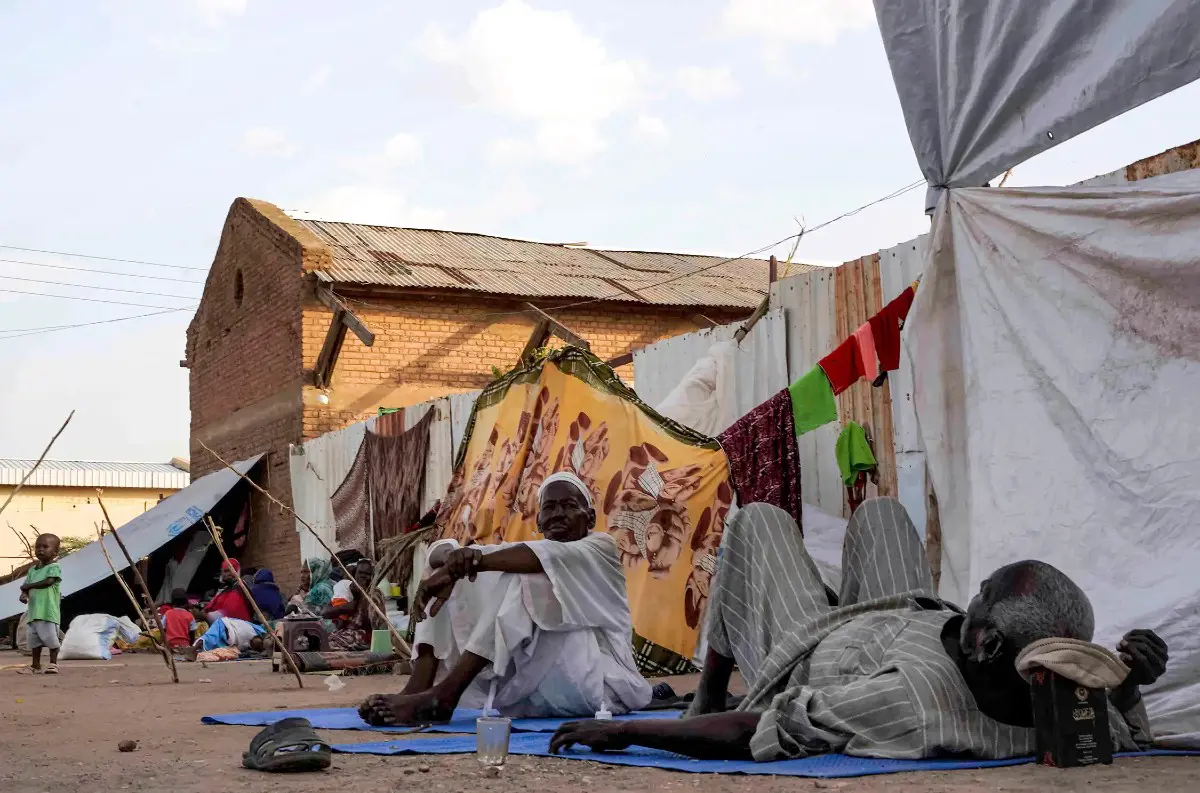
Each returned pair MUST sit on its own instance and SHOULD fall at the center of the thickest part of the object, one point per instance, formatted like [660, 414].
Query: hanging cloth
[351, 505]
[885, 330]
[813, 404]
[853, 453]
[764, 458]
[396, 477]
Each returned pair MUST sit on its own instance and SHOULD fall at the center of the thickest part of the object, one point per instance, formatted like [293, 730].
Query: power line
[94, 300]
[101, 272]
[19, 332]
[100, 258]
[90, 286]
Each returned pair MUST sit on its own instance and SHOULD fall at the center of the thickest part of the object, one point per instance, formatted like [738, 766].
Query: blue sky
[127, 127]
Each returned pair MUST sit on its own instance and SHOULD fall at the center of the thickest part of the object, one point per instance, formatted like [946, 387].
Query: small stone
[204, 680]
[424, 769]
[491, 772]
[127, 746]
[410, 771]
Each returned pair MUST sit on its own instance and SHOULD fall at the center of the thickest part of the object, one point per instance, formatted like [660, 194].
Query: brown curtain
[764, 457]
[396, 476]
[351, 507]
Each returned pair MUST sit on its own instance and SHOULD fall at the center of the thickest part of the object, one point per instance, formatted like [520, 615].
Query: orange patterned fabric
[660, 489]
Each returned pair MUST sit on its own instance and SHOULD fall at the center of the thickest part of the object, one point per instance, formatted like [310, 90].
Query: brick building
[278, 350]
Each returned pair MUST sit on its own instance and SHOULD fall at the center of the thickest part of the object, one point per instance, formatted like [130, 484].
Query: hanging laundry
[885, 329]
[396, 476]
[843, 366]
[853, 453]
[351, 505]
[764, 458]
[866, 350]
[813, 404]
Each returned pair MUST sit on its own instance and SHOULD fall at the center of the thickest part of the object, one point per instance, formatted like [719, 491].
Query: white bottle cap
[604, 714]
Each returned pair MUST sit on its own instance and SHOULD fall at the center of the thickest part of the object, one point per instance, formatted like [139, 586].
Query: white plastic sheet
[987, 84]
[317, 468]
[1055, 343]
[757, 373]
[143, 535]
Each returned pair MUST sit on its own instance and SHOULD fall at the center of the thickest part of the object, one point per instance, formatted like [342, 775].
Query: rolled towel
[1087, 664]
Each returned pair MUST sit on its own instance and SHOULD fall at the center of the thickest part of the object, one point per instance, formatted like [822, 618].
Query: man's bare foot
[404, 710]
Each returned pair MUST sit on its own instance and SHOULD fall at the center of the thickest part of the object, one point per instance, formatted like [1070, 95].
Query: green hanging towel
[812, 401]
[853, 452]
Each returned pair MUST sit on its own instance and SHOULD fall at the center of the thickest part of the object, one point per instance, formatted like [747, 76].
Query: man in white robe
[541, 627]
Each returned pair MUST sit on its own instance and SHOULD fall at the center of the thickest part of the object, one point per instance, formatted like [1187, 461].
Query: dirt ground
[61, 733]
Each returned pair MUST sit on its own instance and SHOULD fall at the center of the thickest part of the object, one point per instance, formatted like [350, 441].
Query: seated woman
[355, 619]
[543, 624]
[266, 595]
[316, 590]
[229, 601]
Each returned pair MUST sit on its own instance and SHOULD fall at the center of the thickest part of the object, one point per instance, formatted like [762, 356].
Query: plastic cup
[381, 641]
[491, 740]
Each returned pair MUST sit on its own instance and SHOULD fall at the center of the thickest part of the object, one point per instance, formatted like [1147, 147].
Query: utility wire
[100, 258]
[17, 333]
[102, 272]
[90, 286]
[94, 300]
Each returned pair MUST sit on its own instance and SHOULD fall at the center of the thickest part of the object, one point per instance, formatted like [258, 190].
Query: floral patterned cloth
[764, 456]
[661, 490]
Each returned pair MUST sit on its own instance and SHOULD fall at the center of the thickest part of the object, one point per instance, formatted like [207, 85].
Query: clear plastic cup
[491, 740]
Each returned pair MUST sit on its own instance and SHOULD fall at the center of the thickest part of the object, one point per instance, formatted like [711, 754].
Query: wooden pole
[168, 658]
[29, 473]
[216, 535]
[398, 642]
[137, 575]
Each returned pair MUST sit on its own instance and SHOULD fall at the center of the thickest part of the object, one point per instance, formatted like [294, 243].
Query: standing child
[41, 592]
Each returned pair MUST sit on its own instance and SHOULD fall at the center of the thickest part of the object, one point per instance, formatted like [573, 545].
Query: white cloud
[373, 205]
[403, 148]
[508, 151]
[319, 78]
[651, 128]
[268, 142]
[540, 67]
[797, 21]
[217, 12]
[706, 83]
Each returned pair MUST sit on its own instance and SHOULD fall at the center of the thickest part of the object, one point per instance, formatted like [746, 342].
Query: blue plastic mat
[826, 766]
[348, 719]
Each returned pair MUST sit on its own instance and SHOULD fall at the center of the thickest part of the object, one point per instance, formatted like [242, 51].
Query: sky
[127, 128]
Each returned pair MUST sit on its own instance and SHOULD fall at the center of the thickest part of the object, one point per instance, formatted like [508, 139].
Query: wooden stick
[216, 535]
[29, 473]
[398, 641]
[25, 542]
[137, 576]
[162, 648]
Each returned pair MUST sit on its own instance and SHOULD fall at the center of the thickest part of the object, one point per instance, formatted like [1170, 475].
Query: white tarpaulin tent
[987, 84]
[1054, 338]
[142, 536]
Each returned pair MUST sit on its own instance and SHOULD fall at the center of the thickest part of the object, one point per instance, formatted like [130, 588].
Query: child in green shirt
[41, 592]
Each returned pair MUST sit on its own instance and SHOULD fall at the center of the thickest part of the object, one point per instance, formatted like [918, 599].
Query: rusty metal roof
[75, 473]
[428, 259]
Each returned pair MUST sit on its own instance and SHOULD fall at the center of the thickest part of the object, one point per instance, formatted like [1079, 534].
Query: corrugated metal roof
[428, 259]
[74, 473]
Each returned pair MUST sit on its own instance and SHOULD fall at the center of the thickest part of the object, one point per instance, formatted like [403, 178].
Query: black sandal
[287, 746]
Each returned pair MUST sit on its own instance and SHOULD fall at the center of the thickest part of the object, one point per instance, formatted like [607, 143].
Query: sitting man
[544, 626]
[888, 672]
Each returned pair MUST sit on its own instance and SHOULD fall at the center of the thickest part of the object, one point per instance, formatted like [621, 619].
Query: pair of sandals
[51, 669]
[288, 746]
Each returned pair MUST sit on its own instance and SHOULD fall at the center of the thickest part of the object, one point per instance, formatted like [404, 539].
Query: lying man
[888, 672]
[543, 625]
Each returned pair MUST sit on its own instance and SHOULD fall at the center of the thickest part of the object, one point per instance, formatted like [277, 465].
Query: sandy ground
[62, 733]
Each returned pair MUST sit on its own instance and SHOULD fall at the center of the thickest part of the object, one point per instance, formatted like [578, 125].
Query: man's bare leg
[424, 671]
[431, 705]
[712, 692]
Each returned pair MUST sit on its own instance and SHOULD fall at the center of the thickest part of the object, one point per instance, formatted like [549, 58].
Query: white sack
[1055, 343]
[90, 637]
[987, 84]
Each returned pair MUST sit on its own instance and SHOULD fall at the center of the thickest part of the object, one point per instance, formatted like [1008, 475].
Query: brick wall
[427, 347]
[245, 368]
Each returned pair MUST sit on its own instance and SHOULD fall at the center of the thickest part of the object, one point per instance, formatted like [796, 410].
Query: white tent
[1054, 338]
[142, 536]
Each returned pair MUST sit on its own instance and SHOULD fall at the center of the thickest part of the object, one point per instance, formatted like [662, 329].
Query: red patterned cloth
[764, 458]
